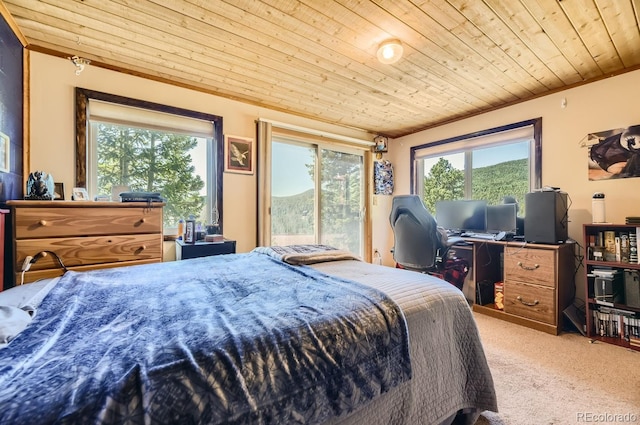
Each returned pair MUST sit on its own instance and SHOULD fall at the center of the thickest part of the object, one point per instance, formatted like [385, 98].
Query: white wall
[52, 126]
[603, 105]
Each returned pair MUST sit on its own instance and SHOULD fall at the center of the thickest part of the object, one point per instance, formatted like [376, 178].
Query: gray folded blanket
[306, 254]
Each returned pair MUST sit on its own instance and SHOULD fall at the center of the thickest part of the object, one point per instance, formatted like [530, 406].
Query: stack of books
[632, 220]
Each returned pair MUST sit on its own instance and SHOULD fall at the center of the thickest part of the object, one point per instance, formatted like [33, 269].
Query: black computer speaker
[546, 217]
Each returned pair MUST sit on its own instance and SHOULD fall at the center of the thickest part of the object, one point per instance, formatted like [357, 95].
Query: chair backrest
[416, 236]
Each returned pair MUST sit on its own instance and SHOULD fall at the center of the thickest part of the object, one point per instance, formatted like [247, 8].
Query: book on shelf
[617, 246]
[625, 250]
[214, 238]
[600, 239]
[637, 235]
[609, 245]
[617, 323]
[633, 247]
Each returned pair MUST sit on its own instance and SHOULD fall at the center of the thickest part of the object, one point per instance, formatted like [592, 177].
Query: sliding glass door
[317, 195]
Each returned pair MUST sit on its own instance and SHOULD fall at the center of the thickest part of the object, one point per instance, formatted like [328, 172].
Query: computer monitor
[463, 215]
[502, 218]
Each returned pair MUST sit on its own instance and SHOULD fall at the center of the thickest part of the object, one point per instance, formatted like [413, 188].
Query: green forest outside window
[488, 165]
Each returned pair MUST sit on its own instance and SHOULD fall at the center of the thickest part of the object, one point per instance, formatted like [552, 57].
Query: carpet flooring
[544, 379]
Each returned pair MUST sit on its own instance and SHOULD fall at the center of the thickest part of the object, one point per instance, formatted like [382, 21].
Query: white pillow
[18, 306]
[12, 321]
[20, 295]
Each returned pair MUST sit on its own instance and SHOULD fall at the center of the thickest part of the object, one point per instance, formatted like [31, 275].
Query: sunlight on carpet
[547, 379]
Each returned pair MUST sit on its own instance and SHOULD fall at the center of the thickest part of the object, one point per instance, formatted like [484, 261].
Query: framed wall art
[614, 154]
[238, 154]
[5, 150]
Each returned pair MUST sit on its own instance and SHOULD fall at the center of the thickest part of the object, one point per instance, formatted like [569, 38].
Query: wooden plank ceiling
[317, 58]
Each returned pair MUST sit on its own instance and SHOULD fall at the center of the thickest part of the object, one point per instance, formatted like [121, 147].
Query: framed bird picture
[238, 154]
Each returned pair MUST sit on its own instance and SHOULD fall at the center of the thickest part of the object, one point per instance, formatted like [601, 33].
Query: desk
[185, 251]
[538, 280]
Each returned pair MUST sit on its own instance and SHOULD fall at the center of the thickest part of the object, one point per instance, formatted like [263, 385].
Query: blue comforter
[233, 339]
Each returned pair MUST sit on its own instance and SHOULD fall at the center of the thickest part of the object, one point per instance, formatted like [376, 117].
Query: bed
[254, 338]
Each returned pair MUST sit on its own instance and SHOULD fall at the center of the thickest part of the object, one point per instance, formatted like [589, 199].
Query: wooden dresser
[84, 235]
[538, 281]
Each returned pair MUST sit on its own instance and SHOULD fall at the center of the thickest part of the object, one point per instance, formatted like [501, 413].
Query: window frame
[82, 97]
[318, 147]
[535, 169]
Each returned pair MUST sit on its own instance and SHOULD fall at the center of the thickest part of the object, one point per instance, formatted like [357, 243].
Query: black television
[463, 215]
[502, 218]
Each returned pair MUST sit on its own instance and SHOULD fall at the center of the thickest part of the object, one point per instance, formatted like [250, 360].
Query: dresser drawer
[33, 223]
[530, 265]
[531, 301]
[90, 250]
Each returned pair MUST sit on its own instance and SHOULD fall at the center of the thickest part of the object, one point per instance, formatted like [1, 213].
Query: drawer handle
[535, 302]
[522, 266]
[142, 248]
[42, 222]
[142, 220]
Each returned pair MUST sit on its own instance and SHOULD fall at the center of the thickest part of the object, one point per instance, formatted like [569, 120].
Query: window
[147, 147]
[317, 195]
[312, 188]
[488, 165]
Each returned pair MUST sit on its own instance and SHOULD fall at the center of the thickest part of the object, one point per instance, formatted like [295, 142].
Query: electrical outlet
[377, 258]
[27, 263]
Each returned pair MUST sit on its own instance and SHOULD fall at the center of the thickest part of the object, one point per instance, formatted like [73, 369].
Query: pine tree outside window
[153, 148]
[317, 195]
[488, 165]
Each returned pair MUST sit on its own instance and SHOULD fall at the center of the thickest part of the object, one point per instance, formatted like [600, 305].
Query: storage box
[632, 288]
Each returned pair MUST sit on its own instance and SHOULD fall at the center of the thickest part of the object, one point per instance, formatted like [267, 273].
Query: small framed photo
[79, 194]
[58, 191]
[5, 150]
[238, 155]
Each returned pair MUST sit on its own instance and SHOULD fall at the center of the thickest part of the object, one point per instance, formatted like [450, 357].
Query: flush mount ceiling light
[390, 51]
[80, 63]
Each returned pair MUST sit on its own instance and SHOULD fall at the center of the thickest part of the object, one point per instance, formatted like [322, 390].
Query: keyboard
[487, 236]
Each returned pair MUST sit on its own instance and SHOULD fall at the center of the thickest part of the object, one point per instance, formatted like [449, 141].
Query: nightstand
[185, 251]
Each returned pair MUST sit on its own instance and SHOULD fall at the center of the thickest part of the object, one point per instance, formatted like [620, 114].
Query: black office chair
[419, 245]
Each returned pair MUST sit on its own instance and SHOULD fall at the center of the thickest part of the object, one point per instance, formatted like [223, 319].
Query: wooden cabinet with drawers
[538, 282]
[83, 235]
